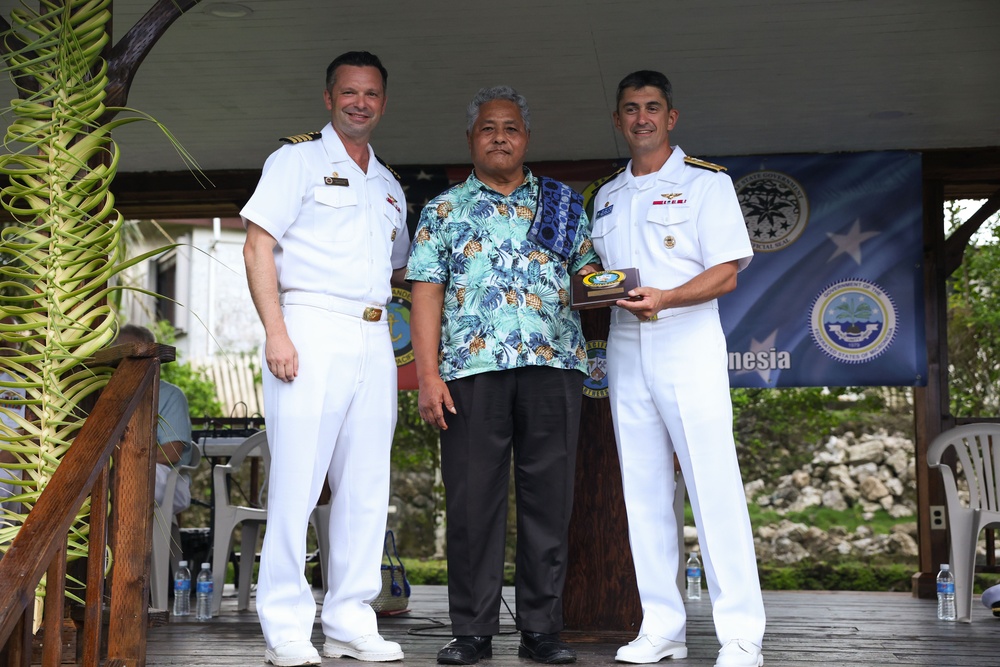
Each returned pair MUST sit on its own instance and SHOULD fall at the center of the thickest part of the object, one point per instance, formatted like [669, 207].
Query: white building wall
[222, 316]
[214, 312]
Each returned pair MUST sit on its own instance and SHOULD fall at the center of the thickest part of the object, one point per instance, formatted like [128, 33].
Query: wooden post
[94, 609]
[135, 475]
[601, 599]
[55, 590]
[931, 412]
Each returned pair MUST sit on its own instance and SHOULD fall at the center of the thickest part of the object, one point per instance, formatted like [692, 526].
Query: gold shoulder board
[391, 170]
[695, 162]
[299, 138]
[596, 185]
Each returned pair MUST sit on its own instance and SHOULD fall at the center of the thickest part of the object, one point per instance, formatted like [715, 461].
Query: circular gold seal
[669, 242]
[399, 325]
[603, 279]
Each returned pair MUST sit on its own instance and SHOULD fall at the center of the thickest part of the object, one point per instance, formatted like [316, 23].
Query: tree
[974, 322]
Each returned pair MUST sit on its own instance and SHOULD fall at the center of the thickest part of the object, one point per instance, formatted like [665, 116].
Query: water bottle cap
[945, 566]
[205, 566]
[182, 563]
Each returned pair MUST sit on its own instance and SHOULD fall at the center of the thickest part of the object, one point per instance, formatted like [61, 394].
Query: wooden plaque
[602, 289]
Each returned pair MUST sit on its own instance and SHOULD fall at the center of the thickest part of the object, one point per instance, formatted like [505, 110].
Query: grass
[825, 518]
[806, 575]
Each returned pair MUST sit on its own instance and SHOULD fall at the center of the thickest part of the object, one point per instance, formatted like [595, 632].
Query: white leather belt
[622, 316]
[366, 312]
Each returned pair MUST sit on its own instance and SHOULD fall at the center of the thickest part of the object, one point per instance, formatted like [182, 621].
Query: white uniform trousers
[669, 392]
[334, 421]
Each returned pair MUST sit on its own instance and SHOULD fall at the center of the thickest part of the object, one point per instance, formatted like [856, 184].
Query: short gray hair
[492, 94]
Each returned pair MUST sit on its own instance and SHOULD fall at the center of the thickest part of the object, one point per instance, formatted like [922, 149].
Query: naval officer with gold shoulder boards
[325, 233]
[677, 220]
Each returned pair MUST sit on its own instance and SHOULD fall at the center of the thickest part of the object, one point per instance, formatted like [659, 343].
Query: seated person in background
[9, 410]
[173, 428]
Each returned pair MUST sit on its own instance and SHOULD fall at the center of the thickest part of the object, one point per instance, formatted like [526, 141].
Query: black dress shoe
[466, 650]
[546, 648]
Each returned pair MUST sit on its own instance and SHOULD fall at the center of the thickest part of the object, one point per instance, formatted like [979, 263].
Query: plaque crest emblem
[596, 384]
[399, 325]
[603, 279]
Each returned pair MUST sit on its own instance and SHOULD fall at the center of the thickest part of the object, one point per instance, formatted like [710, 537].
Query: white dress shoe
[291, 654]
[369, 648]
[739, 653]
[650, 648]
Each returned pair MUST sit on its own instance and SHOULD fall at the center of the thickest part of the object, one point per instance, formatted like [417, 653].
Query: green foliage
[825, 518]
[435, 572]
[974, 323]
[855, 576]
[426, 572]
[777, 430]
[415, 444]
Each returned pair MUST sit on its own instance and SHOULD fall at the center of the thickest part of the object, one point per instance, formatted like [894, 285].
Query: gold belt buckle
[372, 314]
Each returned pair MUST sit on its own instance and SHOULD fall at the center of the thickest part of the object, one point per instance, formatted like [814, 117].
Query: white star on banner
[850, 243]
[762, 346]
[423, 176]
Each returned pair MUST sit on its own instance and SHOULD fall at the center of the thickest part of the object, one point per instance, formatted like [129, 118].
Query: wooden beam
[954, 247]
[133, 48]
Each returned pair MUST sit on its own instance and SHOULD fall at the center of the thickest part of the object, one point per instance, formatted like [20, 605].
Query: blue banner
[834, 294]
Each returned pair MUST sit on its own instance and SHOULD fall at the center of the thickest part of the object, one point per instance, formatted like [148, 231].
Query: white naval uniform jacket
[339, 231]
[685, 220]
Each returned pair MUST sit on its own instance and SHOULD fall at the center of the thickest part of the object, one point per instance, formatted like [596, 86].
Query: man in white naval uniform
[325, 233]
[679, 222]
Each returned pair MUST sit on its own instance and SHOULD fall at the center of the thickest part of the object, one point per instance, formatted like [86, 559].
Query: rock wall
[873, 471]
[416, 514]
[870, 471]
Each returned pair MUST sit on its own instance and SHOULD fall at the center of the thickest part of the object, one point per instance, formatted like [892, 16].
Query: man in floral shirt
[500, 362]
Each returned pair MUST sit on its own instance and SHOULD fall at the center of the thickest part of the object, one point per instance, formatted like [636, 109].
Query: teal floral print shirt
[506, 300]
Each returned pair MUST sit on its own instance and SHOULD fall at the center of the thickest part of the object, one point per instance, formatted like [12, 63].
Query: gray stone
[899, 511]
[753, 489]
[800, 479]
[871, 451]
[834, 500]
[873, 489]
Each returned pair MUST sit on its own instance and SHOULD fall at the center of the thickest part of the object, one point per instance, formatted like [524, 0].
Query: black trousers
[534, 413]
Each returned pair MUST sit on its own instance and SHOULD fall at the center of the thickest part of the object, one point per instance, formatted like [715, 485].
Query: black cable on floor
[436, 625]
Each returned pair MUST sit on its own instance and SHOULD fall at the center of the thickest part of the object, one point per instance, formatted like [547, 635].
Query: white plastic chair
[680, 493]
[228, 516]
[167, 536]
[977, 451]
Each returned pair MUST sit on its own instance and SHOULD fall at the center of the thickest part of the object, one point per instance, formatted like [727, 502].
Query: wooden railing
[121, 424]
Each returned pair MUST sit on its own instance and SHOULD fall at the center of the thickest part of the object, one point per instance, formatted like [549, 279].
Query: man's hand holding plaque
[601, 289]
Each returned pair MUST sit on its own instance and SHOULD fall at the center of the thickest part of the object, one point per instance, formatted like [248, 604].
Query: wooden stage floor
[804, 628]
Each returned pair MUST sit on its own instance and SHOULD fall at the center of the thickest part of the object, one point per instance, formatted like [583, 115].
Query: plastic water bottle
[694, 577]
[946, 594]
[182, 590]
[204, 587]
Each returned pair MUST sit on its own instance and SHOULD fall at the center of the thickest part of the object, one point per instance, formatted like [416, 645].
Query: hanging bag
[395, 593]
